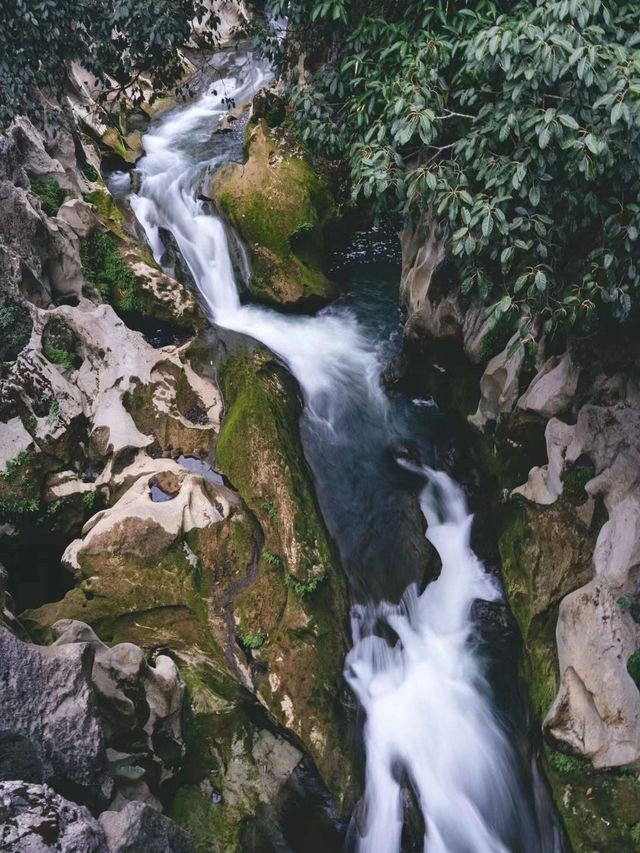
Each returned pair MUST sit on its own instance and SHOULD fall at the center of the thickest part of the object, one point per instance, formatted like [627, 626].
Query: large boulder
[279, 205]
[138, 827]
[34, 819]
[47, 697]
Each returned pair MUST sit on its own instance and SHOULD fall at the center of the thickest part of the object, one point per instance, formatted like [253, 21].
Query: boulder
[597, 710]
[499, 387]
[138, 827]
[34, 819]
[279, 205]
[553, 388]
[46, 696]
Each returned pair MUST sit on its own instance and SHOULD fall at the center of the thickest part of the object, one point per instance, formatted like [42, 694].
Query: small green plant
[633, 667]
[272, 559]
[567, 763]
[270, 508]
[31, 422]
[15, 330]
[104, 268]
[89, 500]
[630, 603]
[574, 482]
[252, 641]
[50, 193]
[66, 360]
[17, 507]
[14, 465]
[90, 173]
[635, 833]
[54, 413]
[302, 588]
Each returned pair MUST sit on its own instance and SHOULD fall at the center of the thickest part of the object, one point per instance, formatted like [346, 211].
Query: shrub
[104, 267]
[50, 193]
[252, 641]
[15, 330]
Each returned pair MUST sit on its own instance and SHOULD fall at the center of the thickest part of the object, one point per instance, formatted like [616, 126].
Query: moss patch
[279, 206]
[50, 194]
[600, 808]
[298, 600]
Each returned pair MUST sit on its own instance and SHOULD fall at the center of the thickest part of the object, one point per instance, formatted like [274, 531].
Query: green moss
[262, 424]
[15, 330]
[600, 808]
[66, 360]
[259, 450]
[50, 193]
[107, 208]
[287, 248]
[574, 482]
[633, 667]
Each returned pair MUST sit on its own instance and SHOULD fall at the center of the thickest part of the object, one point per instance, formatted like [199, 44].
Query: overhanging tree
[118, 41]
[514, 125]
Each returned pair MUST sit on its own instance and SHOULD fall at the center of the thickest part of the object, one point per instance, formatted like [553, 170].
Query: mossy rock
[298, 601]
[226, 781]
[279, 206]
[600, 808]
[546, 554]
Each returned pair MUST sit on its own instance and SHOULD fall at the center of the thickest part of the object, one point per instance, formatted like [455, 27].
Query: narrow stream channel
[430, 722]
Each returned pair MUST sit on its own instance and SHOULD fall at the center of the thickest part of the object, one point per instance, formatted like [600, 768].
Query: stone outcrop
[138, 827]
[279, 205]
[75, 704]
[34, 819]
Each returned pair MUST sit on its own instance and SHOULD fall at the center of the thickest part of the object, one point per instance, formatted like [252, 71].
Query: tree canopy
[514, 125]
[117, 41]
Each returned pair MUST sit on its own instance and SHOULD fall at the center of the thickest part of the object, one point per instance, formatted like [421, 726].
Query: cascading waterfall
[429, 720]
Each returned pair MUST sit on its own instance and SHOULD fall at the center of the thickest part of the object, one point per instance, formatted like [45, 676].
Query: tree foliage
[118, 41]
[513, 126]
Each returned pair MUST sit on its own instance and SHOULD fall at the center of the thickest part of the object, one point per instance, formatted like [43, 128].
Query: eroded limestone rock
[34, 819]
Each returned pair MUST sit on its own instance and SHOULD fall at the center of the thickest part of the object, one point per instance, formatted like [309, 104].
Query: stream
[431, 724]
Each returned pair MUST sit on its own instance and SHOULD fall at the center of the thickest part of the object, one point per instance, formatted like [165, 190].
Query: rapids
[430, 722]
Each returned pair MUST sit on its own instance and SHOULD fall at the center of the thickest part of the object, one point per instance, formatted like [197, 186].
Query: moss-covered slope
[294, 615]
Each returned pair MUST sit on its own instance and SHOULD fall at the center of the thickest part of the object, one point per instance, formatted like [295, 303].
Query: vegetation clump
[104, 267]
[50, 194]
[119, 44]
[15, 330]
[512, 129]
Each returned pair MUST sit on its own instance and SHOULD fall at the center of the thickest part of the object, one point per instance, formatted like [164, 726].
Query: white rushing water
[428, 718]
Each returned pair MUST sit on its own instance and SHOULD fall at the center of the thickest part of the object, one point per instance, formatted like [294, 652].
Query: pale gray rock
[138, 828]
[552, 389]
[597, 710]
[499, 385]
[78, 215]
[46, 696]
[34, 819]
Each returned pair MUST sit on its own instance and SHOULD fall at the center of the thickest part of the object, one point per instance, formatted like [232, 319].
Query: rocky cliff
[568, 536]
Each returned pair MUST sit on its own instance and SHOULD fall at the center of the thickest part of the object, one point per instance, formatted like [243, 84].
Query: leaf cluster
[514, 127]
[119, 42]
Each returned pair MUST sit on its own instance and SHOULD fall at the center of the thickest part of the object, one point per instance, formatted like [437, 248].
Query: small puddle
[158, 495]
[199, 466]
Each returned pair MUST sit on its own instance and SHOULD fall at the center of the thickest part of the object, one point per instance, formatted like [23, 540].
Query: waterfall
[429, 719]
